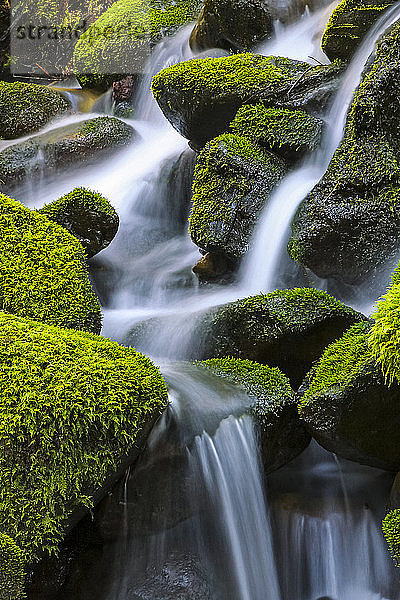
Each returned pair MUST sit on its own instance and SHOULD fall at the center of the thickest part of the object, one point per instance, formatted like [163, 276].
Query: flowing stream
[192, 521]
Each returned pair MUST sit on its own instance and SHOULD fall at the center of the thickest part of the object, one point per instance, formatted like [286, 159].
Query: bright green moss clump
[87, 215]
[43, 274]
[281, 130]
[233, 178]
[120, 41]
[73, 405]
[348, 25]
[391, 530]
[12, 574]
[26, 107]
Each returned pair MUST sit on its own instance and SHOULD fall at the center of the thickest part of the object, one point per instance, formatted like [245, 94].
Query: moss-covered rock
[391, 531]
[350, 222]
[385, 340]
[348, 25]
[43, 273]
[78, 144]
[282, 435]
[12, 575]
[200, 97]
[88, 216]
[120, 41]
[288, 329]
[291, 133]
[233, 179]
[74, 409]
[232, 25]
[26, 107]
[347, 405]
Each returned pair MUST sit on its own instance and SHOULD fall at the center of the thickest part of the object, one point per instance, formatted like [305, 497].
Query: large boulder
[290, 133]
[288, 329]
[232, 25]
[347, 405]
[232, 182]
[81, 143]
[12, 574]
[350, 222]
[86, 215]
[43, 273]
[76, 409]
[273, 406]
[133, 27]
[200, 97]
[26, 107]
[349, 23]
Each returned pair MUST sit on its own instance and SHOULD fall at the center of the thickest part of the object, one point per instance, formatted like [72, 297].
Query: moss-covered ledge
[391, 531]
[73, 406]
[12, 571]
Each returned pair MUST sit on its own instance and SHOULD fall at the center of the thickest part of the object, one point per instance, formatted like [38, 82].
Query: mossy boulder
[349, 224]
[287, 329]
[200, 97]
[232, 25]
[75, 410]
[290, 133]
[233, 179]
[119, 42]
[274, 409]
[88, 216]
[43, 273]
[349, 23]
[79, 144]
[347, 405]
[391, 531]
[12, 574]
[27, 107]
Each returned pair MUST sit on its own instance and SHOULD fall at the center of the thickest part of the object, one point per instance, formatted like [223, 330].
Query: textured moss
[385, 335]
[200, 97]
[43, 274]
[26, 107]
[123, 35]
[12, 574]
[287, 328]
[287, 132]
[86, 215]
[349, 223]
[348, 25]
[273, 406]
[73, 405]
[391, 530]
[232, 181]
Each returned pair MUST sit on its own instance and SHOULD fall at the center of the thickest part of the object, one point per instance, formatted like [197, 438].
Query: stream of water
[193, 521]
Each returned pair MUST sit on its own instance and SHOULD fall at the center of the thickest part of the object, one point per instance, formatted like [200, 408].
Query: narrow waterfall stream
[192, 520]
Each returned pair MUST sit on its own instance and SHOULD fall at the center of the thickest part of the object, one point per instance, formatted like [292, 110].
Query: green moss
[341, 363]
[79, 198]
[278, 129]
[12, 576]
[43, 274]
[26, 107]
[348, 25]
[232, 180]
[121, 39]
[72, 406]
[391, 531]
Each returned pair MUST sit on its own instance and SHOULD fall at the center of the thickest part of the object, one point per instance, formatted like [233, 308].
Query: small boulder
[273, 406]
[232, 182]
[86, 215]
[27, 107]
[349, 23]
[290, 133]
[212, 267]
[288, 329]
[232, 25]
[347, 405]
[200, 97]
